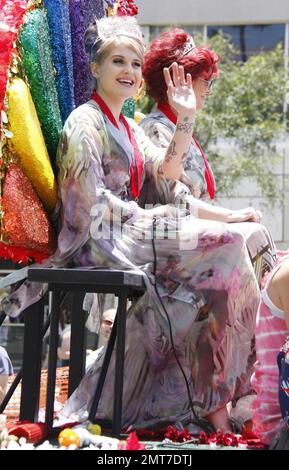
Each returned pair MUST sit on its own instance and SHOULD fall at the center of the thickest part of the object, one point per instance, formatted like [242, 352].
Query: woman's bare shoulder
[284, 269]
[281, 280]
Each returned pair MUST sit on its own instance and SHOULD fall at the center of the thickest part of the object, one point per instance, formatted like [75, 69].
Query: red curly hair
[168, 48]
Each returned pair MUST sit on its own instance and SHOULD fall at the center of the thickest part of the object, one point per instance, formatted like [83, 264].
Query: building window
[252, 39]
[154, 31]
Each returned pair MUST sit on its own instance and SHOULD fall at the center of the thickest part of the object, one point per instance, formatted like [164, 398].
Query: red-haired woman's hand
[180, 91]
[249, 214]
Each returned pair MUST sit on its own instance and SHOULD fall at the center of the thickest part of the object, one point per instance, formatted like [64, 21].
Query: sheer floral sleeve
[159, 134]
[91, 180]
[157, 189]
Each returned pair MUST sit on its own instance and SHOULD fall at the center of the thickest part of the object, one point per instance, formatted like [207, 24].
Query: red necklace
[136, 169]
[209, 175]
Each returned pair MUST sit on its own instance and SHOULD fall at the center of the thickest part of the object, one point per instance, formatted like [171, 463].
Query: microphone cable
[192, 404]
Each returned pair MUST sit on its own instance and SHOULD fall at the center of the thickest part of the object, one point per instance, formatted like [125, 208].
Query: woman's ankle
[220, 420]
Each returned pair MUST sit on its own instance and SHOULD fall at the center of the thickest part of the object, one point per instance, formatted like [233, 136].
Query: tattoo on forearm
[186, 127]
[171, 152]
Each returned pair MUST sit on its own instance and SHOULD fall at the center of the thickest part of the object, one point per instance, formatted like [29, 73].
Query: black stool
[125, 285]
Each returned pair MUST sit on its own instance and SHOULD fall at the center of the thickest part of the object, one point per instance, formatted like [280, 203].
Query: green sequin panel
[128, 108]
[37, 61]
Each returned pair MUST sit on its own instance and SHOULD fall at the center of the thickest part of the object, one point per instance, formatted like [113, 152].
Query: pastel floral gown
[159, 128]
[204, 276]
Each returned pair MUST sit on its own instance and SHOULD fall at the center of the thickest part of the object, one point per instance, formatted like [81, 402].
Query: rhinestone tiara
[111, 26]
[189, 46]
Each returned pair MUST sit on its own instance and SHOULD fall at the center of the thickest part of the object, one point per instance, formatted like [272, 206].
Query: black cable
[192, 404]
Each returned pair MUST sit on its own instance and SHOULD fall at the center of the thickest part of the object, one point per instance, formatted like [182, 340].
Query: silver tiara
[189, 46]
[111, 26]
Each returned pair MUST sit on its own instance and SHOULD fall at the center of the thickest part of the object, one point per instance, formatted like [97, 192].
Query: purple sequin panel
[82, 12]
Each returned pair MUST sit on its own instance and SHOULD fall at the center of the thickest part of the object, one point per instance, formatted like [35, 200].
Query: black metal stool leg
[2, 317]
[103, 372]
[77, 343]
[11, 390]
[119, 363]
[52, 361]
[31, 369]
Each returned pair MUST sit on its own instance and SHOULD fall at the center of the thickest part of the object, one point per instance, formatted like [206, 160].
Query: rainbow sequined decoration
[128, 108]
[11, 15]
[25, 222]
[53, 61]
[82, 12]
[37, 61]
[60, 38]
[28, 143]
[121, 8]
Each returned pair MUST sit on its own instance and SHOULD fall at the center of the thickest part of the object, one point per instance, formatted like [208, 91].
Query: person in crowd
[107, 319]
[63, 351]
[189, 337]
[176, 45]
[270, 382]
[6, 369]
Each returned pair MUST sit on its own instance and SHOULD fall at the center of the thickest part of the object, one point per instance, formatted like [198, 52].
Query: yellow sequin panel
[29, 143]
[138, 117]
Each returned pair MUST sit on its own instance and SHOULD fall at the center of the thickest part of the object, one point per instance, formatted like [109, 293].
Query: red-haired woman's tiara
[189, 46]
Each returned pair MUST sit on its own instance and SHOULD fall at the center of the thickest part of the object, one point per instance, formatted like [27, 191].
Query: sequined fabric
[29, 144]
[82, 12]
[11, 14]
[128, 108]
[37, 61]
[25, 221]
[60, 37]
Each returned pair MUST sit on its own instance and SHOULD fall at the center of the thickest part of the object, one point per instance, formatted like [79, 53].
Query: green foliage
[244, 109]
[144, 103]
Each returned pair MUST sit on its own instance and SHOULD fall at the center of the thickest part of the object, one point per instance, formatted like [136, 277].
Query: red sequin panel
[25, 221]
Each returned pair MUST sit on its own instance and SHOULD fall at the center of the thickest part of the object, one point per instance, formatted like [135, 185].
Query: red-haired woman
[201, 63]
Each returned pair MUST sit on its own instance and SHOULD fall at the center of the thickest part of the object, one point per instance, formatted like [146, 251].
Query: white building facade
[211, 12]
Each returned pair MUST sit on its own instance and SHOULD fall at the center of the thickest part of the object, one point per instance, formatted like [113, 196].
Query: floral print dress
[204, 277]
[160, 129]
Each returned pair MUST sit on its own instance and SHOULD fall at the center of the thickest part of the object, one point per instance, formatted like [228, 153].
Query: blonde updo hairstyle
[103, 35]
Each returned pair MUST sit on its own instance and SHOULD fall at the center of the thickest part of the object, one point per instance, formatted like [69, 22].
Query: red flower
[127, 8]
[175, 435]
[172, 433]
[132, 443]
[186, 435]
[203, 438]
[11, 16]
[220, 438]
